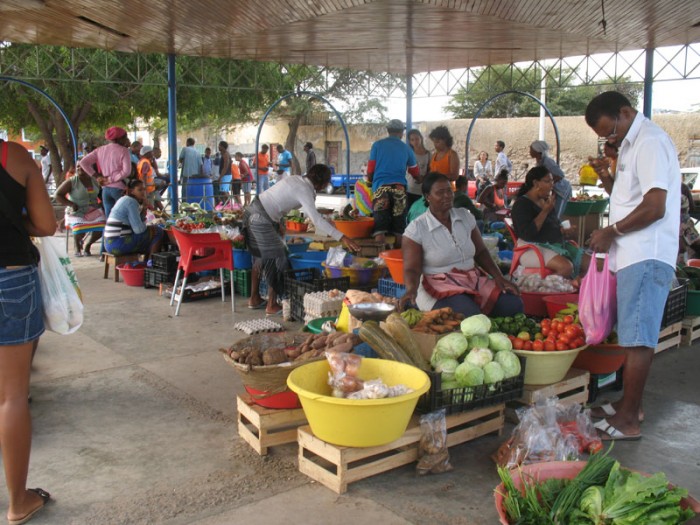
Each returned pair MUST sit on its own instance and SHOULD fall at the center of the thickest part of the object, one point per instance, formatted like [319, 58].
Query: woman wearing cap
[445, 160]
[84, 215]
[262, 231]
[113, 162]
[562, 187]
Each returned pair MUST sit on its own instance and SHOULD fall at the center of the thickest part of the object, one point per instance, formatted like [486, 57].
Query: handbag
[63, 307]
[597, 302]
[472, 282]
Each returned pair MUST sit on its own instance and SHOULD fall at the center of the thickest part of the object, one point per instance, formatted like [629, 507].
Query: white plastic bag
[63, 308]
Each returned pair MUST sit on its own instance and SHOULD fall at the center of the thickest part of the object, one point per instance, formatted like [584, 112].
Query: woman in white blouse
[483, 171]
[264, 233]
[447, 264]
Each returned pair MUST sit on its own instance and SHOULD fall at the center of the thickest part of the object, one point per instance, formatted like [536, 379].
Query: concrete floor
[134, 422]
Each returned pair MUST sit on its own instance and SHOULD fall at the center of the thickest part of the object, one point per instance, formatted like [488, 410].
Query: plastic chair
[192, 243]
[518, 251]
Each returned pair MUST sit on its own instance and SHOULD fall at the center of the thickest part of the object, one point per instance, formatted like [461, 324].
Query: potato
[274, 356]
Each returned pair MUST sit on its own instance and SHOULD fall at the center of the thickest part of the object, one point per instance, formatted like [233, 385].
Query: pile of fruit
[554, 334]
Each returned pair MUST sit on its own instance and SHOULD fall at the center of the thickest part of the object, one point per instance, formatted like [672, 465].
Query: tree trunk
[291, 141]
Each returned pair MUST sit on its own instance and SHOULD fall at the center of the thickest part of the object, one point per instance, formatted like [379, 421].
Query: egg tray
[321, 304]
[257, 326]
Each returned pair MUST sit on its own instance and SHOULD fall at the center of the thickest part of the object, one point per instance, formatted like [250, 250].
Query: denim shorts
[642, 290]
[21, 310]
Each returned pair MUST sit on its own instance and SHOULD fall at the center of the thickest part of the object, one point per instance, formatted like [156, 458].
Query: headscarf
[540, 146]
[115, 133]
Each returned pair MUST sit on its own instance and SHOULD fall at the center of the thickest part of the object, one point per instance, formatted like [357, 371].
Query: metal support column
[409, 102]
[172, 133]
[648, 81]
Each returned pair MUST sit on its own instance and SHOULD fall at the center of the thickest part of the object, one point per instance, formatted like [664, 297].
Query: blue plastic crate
[390, 288]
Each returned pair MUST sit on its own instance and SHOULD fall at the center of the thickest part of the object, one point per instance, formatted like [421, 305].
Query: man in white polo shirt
[642, 239]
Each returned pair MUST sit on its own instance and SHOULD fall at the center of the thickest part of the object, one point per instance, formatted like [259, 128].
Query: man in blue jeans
[642, 239]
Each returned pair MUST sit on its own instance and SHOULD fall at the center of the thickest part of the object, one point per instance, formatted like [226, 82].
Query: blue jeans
[110, 196]
[642, 290]
[263, 183]
[21, 310]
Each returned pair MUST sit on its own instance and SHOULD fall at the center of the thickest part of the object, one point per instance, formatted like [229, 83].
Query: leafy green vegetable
[476, 324]
[499, 342]
[493, 373]
[509, 362]
[452, 345]
[479, 357]
[480, 341]
[468, 374]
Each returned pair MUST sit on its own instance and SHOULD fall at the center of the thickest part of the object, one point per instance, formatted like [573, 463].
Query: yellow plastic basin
[358, 422]
[545, 368]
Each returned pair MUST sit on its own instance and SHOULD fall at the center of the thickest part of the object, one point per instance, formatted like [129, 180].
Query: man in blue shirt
[191, 162]
[284, 163]
[389, 159]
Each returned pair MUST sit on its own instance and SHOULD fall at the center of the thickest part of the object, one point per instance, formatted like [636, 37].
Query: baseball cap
[146, 149]
[395, 125]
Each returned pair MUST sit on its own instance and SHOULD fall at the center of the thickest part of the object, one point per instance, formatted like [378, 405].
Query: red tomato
[563, 338]
[562, 346]
[578, 342]
[568, 319]
[549, 346]
[527, 345]
[555, 324]
[546, 322]
[545, 330]
[571, 330]
[538, 345]
[518, 343]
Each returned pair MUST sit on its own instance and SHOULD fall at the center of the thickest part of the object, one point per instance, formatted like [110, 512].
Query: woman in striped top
[126, 232]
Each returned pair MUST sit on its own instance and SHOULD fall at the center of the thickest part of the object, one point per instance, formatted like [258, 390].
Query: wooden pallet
[264, 427]
[670, 337]
[336, 466]
[572, 389]
[690, 330]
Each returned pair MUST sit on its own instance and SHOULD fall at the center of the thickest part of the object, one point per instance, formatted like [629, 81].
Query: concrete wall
[577, 140]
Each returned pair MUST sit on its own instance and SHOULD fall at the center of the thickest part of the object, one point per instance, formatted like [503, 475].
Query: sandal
[45, 497]
[608, 432]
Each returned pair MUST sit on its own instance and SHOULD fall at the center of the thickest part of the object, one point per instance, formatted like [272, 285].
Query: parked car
[690, 177]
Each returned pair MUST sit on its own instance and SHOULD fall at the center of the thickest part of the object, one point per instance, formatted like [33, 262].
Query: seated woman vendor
[126, 232]
[441, 249]
[535, 222]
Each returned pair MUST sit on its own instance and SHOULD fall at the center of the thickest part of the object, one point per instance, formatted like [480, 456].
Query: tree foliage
[570, 99]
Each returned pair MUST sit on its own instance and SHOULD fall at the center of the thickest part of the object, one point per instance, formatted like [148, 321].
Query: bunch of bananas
[412, 316]
[571, 309]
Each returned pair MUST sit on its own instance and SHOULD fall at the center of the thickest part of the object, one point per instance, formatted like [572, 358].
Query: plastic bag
[597, 302]
[549, 431]
[336, 257]
[342, 376]
[63, 308]
[433, 455]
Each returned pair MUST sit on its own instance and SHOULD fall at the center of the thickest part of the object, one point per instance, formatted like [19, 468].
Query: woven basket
[271, 378]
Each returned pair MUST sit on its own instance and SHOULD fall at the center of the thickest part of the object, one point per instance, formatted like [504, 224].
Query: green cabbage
[509, 362]
[498, 342]
[452, 345]
[467, 374]
[478, 341]
[476, 324]
[449, 385]
[479, 357]
[493, 373]
[446, 367]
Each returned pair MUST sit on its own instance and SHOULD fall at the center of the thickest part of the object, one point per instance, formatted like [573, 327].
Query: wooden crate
[336, 466]
[264, 427]
[690, 330]
[670, 337]
[572, 389]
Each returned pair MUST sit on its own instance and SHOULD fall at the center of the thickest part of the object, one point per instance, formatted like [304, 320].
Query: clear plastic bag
[342, 376]
[336, 257]
[63, 307]
[433, 455]
[549, 431]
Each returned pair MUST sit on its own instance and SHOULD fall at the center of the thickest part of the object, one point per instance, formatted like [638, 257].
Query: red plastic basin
[132, 273]
[557, 302]
[286, 399]
[601, 359]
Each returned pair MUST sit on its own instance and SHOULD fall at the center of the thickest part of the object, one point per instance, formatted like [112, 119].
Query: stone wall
[577, 140]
